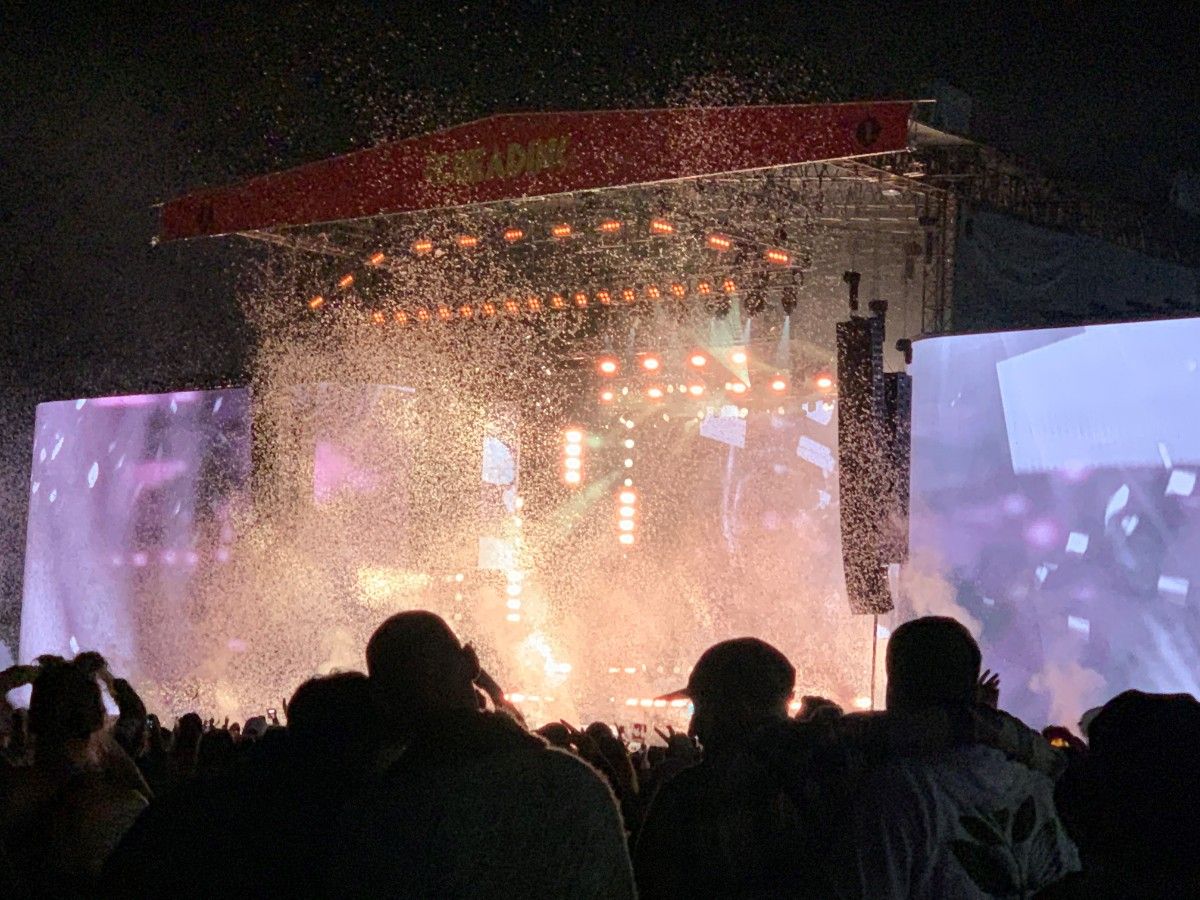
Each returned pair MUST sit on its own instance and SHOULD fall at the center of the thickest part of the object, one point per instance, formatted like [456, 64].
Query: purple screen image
[130, 506]
[1054, 505]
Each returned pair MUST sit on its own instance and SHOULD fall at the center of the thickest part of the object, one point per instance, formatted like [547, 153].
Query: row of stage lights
[715, 292]
[715, 241]
[698, 362]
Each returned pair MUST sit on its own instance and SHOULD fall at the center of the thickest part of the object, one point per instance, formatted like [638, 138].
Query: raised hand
[987, 691]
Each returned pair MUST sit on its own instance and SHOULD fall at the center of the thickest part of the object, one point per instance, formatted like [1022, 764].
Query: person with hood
[965, 820]
[474, 805]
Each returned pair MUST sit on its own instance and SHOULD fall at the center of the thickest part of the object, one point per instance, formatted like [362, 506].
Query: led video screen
[132, 511]
[1054, 507]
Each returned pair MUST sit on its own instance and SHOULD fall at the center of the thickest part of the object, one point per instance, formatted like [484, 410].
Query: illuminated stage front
[587, 413]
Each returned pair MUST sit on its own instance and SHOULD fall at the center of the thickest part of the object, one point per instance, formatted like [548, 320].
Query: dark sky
[103, 114]
[106, 114]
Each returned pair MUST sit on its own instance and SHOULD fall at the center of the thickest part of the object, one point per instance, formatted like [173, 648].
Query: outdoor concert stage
[567, 379]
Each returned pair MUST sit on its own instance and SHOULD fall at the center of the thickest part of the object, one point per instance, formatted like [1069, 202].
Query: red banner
[534, 154]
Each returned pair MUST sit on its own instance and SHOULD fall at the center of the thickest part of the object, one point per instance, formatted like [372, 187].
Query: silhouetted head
[556, 734]
[417, 666]
[735, 686]
[65, 704]
[333, 716]
[931, 660]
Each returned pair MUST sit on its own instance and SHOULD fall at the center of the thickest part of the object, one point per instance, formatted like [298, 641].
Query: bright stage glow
[738, 357]
[607, 396]
[778, 384]
[651, 364]
[628, 497]
[824, 382]
[571, 476]
[608, 366]
[654, 393]
[626, 538]
[738, 387]
[696, 390]
[699, 360]
[573, 436]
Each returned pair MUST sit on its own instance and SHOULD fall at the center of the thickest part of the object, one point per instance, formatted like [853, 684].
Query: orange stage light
[661, 226]
[467, 241]
[653, 292]
[377, 258]
[609, 226]
[608, 366]
[488, 309]
[719, 242]
[466, 311]
[512, 235]
[345, 281]
[824, 382]
[604, 298]
[557, 301]
[629, 295]
[424, 245]
[779, 257]
[581, 299]
[316, 302]
[679, 289]
[512, 307]
[445, 313]
[651, 363]
[699, 360]
[729, 285]
[561, 231]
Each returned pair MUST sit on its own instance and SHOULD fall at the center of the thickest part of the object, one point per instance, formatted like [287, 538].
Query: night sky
[104, 115]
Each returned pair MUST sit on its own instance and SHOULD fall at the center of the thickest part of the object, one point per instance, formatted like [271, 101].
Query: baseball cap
[741, 669]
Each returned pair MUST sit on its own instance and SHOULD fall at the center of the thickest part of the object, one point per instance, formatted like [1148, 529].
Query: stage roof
[528, 155]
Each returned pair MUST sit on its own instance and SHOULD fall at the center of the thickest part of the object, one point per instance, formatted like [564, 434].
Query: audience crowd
[417, 779]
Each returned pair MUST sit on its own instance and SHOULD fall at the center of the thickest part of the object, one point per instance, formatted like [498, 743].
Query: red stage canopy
[523, 155]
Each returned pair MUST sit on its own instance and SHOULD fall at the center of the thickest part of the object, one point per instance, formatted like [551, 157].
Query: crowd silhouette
[417, 779]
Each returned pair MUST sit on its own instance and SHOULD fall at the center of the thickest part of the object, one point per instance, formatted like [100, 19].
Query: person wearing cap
[723, 827]
[965, 820]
